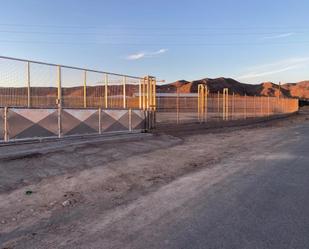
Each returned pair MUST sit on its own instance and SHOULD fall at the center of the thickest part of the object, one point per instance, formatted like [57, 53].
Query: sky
[251, 41]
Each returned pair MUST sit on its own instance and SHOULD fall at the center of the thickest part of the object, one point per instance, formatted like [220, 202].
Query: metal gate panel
[31, 123]
[138, 120]
[115, 120]
[79, 121]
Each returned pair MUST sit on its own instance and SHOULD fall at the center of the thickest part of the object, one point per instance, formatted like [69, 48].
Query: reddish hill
[300, 90]
[297, 90]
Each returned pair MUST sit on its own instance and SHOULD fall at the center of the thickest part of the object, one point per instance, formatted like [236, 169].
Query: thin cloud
[277, 36]
[142, 55]
[275, 68]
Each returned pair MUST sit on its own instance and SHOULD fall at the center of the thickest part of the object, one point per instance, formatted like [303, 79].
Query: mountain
[298, 90]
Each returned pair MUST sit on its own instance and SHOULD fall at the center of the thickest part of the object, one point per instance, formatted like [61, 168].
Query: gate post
[150, 107]
[206, 104]
[28, 86]
[106, 91]
[85, 89]
[59, 102]
[225, 103]
[6, 133]
[202, 102]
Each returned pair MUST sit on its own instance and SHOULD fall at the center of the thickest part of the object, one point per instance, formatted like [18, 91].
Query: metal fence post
[106, 90]
[59, 101]
[100, 120]
[124, 81]
[261, 100]
[177, 106]
[254, 106]
[268, 106]
[140, 94]
[233, 105]
[218, 105]
[154, 88]
[130, 119]
[5, 117]
[245, 107]
[200, 102]
[28, 86]
[85, 89]
[225, 104]
[144, 93]
[206, 103]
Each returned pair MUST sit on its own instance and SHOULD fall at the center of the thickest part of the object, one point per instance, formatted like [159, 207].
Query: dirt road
[232, 187]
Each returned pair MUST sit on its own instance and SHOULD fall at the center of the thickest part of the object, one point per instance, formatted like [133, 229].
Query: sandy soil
[69, 196]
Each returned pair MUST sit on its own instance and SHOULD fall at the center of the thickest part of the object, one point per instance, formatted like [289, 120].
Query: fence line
[205, 106]
[33, 84]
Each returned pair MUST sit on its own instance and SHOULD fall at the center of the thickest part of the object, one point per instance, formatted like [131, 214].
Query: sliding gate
[41, 100]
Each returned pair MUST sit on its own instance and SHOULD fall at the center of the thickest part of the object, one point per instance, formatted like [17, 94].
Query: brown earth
[91, 195]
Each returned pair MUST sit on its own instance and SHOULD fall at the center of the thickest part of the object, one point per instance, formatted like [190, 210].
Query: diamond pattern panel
[31, 123]
[35, 123]
[138, 120]
[79, 121]
[115, 120]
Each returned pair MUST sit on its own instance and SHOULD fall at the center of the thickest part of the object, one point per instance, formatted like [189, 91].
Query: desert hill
[299, 90]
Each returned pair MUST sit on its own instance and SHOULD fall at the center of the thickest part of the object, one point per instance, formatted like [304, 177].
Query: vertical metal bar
[5, 117]
[106, 90]
[154, 93]
[177, 105]
[268, 106]
[245, 107]
[124, 81]
[85, 89]
[144, 93]
[150, 93]
[254, 106]
[130, 119]
[218, 104]
[199, 103]
[261, 100]
[59, 102]
[206, 104]
[223, 105]
[227, 104]
[147, 93]
[140, 94]
[233, 105]
[100, 121]
[28, 85]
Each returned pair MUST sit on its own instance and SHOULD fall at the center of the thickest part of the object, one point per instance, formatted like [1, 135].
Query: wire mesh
[133, 93]
[72, 87]
[182, 108]
[13, 83]
[95, 90]
[42, 82]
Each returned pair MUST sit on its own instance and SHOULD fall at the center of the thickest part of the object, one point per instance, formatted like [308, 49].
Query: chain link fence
[205, 106]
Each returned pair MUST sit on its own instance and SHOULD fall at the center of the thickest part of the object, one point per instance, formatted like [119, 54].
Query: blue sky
[252, 41]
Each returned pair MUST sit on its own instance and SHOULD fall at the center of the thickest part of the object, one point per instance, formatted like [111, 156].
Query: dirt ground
[52, 196]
